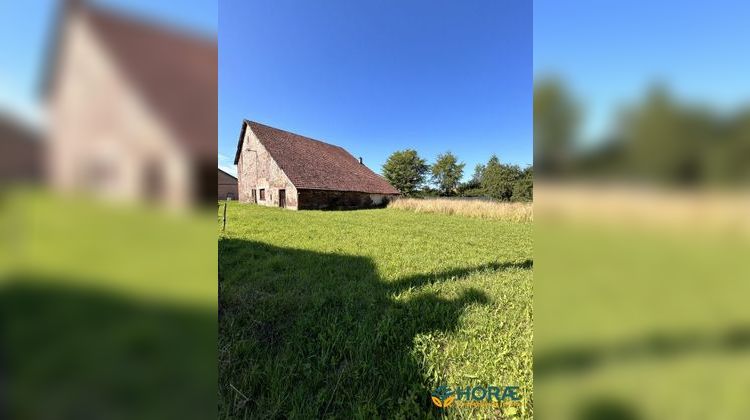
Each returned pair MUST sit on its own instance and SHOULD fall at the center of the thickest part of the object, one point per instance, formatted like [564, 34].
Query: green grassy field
[105, 311]
[634, 322]
[362, 314]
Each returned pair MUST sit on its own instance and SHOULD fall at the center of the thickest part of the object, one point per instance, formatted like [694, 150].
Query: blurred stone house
[132, 108]
[227, 186]
[283, 169]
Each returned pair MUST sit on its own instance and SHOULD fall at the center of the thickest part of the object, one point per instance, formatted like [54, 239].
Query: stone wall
[257, 170]
[339, 200]
[117, 149]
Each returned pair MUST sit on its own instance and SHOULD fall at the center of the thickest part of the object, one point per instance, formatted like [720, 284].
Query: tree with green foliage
[663, 140]
[556, 120]
[446, 173]
[498, 180]
[406, 171]
[478, 173]
[523, 189]
[473, 187]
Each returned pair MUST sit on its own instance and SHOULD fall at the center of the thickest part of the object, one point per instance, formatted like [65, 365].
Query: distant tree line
[657, 139]
[414, 177]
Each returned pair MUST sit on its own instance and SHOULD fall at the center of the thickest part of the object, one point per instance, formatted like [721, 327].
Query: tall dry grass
[652, 207]
[515, 212]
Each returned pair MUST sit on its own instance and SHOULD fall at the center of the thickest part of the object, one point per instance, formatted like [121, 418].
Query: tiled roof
[313, 164]
[226, 173]
[175, 71]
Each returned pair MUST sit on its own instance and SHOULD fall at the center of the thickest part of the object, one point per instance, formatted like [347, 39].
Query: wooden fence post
[224, 226]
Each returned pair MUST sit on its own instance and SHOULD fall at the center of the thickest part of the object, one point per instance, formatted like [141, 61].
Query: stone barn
[282, 169]
[227, 187]
[131, 106]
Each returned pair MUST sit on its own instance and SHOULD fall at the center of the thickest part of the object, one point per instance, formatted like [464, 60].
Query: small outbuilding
[21, 152]
[227, 186]
[282, 169]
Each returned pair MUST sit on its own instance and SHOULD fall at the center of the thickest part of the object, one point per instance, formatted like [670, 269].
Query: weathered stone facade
[339, 200]
[106, 137]
[93, 146]
[256, 171]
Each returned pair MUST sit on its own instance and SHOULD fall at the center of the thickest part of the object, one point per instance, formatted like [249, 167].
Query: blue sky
[378, 76]
[385, 75]
[25, 28]
[609, 52]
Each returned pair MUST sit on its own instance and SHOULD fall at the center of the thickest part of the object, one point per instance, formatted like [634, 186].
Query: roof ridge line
[295, 134]
[313, 164]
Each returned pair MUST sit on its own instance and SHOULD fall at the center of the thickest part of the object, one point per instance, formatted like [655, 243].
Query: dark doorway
[253, 197]
[282, 198]
[205, 181]
[154, 183]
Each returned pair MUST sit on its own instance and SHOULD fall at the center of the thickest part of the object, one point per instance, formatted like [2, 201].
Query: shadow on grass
[659, 346]
[310, 335]
[70, 352]
[607, 408]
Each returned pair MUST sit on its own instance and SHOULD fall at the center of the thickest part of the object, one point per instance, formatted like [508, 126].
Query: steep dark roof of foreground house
[175, 71]
[313, 164]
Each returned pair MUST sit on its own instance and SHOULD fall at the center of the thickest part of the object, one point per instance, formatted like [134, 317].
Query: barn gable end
[126, 125]
[257, 170]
